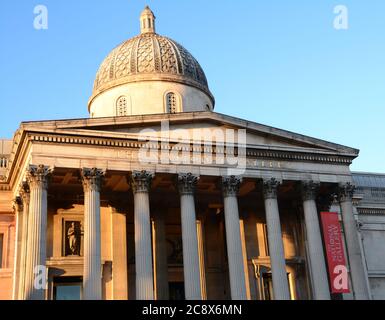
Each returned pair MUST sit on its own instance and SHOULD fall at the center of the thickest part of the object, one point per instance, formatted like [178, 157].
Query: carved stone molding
[359, 225]
[270, 188]
[24, 192]
[92, 179]
[371, 211]
[17, 205]
[309, 190]
[141, 181]
[187, 183]
[346, 192]
[231, 186]
[38, 176]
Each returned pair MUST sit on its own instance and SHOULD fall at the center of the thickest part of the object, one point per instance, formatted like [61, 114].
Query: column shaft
[191, 269]
[316, 252]
[233, 238]
[35, 282]
[276, 249]
[141, 182]
[92, 269]
[357, 270]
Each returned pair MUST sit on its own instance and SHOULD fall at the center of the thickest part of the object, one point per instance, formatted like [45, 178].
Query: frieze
[257, 158]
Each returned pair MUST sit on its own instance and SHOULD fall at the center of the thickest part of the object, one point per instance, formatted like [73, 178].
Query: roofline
[367, 173]
[202, 115]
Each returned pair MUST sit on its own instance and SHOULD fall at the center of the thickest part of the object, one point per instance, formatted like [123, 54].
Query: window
[121, 106]
[172, 103]
[67, 288]
[268, 286]
[1, 249]
[267, 281]
[266, 240]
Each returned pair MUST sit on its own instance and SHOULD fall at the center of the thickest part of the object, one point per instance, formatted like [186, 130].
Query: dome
[149, 57]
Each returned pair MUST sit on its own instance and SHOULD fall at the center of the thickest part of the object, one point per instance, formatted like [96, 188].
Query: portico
[265, 215]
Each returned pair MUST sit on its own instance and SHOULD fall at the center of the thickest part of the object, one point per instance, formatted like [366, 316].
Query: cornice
[132, 142]
[194, 117]
[253, 152]
[371, 211]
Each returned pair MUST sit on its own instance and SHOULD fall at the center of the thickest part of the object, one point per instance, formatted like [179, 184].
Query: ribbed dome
[149, 56]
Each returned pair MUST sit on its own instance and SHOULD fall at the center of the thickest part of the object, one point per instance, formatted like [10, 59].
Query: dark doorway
[67, 288]
[176, 290]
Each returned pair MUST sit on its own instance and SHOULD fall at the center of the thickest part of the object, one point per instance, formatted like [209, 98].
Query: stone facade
[105, 210]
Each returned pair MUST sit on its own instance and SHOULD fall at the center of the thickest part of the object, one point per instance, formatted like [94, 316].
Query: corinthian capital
[270, 188]
[309, 190]
[346, 192]
[141, 181]
[17, 205]
[92, 179]
[231, 186]
[187, 183]
[38, 176]
[24, 192]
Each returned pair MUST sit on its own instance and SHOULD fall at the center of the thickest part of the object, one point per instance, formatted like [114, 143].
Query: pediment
[193, 125]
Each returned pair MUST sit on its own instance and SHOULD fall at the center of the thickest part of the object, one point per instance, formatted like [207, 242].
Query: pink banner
[338, 272]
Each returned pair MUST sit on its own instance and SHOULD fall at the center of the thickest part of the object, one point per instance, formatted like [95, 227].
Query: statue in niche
[73, 238]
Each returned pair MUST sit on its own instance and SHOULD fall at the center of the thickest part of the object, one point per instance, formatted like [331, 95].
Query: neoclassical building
[156, 196]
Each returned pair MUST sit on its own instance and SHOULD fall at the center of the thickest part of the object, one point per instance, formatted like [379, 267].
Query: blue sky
[275, 62]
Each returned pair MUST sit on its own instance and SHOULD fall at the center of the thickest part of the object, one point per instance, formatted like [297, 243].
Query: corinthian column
[37, 177]
[357, 270]
[233, 238]
[274, 233]
[313, 233]
[25, 196]
[141, 183]
[192, 281]
[18, 209]
[92, 269]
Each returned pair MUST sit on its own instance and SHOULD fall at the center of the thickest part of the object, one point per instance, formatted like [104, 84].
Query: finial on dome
[147, 21]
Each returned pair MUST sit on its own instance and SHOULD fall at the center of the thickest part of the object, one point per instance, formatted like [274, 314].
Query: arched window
[172, 103]
[121, 106]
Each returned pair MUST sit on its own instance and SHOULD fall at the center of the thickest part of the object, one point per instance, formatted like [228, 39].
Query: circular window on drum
[121, 106]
